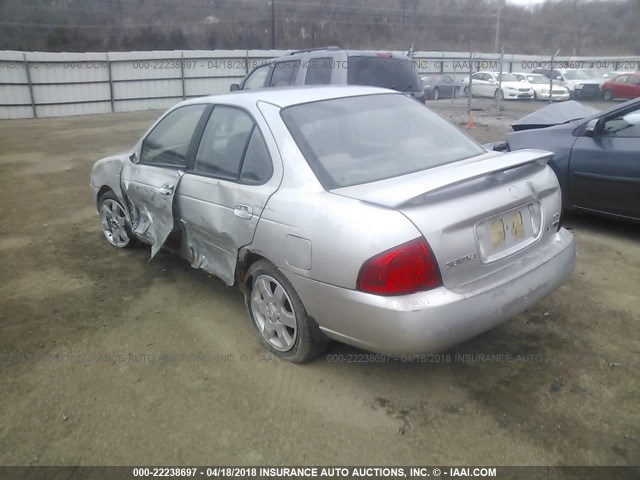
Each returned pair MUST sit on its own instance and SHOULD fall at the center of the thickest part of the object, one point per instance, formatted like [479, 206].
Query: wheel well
[242, 266]
[104, 189]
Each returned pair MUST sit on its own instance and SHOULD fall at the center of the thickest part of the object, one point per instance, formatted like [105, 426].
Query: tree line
[575, 27]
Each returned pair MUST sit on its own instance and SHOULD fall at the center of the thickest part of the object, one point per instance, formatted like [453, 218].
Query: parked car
[622, 86]
[334, 66]
[541, 86]
[487, 84]
[438, 86]
[579, 83]
[600, 75]
[352, 213]
[595, 155]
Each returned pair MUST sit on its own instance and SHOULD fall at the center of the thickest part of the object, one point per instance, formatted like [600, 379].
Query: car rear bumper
[433, 321]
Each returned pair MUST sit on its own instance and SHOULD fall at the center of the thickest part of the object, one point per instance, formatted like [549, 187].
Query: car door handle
[166, 189]
[243, 211]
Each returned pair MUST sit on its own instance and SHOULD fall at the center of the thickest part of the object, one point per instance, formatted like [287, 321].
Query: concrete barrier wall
[39, 84]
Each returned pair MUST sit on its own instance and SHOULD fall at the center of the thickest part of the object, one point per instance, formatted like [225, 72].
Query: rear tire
[279, 317]
[499, 94]
[465, 91]
[436, 94]
[608, 95]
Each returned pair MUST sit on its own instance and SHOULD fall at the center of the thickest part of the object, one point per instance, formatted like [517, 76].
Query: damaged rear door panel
[221, 198]
[150, 178]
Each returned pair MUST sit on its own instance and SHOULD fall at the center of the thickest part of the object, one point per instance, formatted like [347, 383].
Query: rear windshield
[386, 72]
[355, 140]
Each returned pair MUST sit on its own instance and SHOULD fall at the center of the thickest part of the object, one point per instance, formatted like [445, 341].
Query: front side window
[284, 73]
[232, 148]
[168, 143]
[626, 125]
[257, 78]
[355, 140]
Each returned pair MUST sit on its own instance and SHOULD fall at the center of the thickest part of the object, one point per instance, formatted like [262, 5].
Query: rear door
[604, 170]
[446, 86]
[150, 179]
[221, 199]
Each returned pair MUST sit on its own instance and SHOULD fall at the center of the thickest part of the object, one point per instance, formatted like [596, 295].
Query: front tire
[436, 94]
[114, 221]
[278, 315]
[499, 94]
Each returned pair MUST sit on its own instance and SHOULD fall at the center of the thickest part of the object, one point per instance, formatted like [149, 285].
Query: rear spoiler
[397, 191]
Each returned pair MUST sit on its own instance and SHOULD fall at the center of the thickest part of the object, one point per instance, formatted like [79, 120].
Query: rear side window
[319, 71]
[386, 72]
[256, 167]
[223, 143]
[355, 140]
[284, 73]
[233, 148]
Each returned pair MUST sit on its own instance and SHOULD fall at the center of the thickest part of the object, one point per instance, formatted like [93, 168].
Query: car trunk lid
[478, 215]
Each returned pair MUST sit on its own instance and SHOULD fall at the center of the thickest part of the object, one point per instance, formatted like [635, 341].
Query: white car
[487, 84]
[541, 84]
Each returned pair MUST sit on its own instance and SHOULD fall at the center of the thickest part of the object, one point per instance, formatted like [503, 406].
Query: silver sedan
[346, 213]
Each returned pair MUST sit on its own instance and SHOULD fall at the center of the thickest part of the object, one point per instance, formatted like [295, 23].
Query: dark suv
[333, 66]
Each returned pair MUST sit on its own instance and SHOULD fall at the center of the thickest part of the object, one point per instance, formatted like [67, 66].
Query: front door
[151, 178]
[605, 168]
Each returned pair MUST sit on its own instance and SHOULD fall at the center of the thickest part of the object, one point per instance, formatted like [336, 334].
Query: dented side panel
[150, 192]
[219, 217]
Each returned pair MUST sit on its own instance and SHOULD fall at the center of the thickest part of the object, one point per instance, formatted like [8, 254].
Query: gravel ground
[85, 328]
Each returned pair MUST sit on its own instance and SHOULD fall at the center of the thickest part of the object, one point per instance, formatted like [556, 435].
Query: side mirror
[133, 158]
[234, 87]
[592, 128]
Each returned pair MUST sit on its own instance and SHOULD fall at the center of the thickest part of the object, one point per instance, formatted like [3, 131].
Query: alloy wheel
[113, 220]
[273, 313]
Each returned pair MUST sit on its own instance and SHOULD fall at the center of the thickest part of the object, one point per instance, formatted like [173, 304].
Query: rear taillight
[407, 268]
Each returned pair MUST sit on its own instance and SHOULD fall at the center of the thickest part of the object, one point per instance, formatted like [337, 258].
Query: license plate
[505, 233]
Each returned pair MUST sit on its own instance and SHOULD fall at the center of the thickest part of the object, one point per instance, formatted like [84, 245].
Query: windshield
[576, 75]
[387, 72]
[537, 79]
[507, 77]
[355, 140]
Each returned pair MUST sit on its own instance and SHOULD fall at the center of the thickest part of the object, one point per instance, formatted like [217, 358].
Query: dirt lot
[85, 327]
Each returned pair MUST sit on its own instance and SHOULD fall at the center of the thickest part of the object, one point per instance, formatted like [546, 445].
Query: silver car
[349, 213]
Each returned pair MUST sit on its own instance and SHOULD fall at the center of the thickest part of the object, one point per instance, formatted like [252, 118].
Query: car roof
[525, 74]
[327, 52]
[288, 96]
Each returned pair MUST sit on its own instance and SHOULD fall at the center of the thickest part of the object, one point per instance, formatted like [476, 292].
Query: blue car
[596, 154]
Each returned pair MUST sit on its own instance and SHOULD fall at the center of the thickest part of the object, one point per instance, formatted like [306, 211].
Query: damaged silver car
[350, 213]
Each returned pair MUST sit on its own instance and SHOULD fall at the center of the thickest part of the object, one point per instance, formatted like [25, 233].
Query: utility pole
[496, 43]
[551, 75]
[500, 78]
[273, 24]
